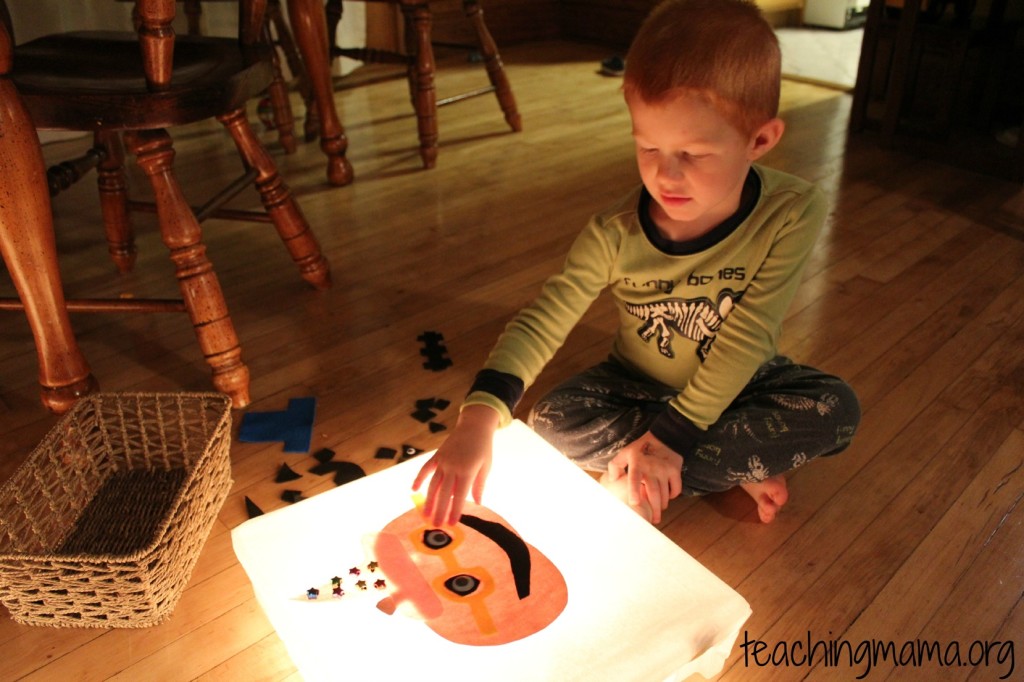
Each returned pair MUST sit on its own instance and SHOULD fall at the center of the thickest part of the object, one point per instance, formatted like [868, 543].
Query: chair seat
[93, 80]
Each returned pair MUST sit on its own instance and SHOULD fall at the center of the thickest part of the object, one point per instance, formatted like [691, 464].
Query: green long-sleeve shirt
[699, 316]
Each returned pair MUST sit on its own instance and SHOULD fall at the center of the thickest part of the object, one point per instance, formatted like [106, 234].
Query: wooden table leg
[28, 248]
[309, 24]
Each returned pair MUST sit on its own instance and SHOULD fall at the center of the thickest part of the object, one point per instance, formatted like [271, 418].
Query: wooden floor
[915, 294]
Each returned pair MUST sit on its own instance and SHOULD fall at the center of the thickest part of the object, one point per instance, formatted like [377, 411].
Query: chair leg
[284, 121]
[279, 203]
[193, 14]
[310, 31]
[113, 188]
[311, 128]
[29, 250]
[198, 282]
[421, 80]
[492, 61]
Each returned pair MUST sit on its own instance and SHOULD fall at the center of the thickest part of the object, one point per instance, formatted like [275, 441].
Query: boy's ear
[765, 138]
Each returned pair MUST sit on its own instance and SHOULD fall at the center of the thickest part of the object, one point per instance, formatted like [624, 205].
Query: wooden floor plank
[923, 586]
[265, 661]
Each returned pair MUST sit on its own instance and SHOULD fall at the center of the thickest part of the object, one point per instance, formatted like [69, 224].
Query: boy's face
[692, 160]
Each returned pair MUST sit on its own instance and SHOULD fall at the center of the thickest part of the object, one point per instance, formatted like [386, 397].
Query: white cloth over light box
[639, 607]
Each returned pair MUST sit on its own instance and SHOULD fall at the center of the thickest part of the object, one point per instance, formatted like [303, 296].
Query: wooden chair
[279, 34]
[123, 85]
[304, 43]
[418, 58]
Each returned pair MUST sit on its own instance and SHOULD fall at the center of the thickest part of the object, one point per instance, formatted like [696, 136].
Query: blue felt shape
[294, 426]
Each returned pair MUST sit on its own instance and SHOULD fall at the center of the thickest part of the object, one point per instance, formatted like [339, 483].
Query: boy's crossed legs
[787, 415]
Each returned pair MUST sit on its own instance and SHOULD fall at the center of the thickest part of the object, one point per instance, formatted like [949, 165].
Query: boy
[703, 260]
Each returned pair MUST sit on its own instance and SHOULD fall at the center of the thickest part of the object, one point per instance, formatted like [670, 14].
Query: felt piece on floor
[434, 350]
[324, 455]
[423, 415]
[385, 453]
[285, 473]
[409, 451]
[293, 426]
[292, 496]
[322, 469]
[251, 509]
[441, 404]
[477, 582]
[343, 471]
[436, 427]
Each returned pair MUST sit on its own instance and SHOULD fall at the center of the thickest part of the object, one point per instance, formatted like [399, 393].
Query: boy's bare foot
[620, 489]
[770, 495]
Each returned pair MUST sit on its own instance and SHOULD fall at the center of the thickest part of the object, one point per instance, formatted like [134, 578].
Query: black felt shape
[323, 468]
[324, 455]
[513, 545]
[347, 471]
[441, 404]
[385, 453]
[425, 404]
[430, 338]
[437, 363]
[343, 471]
[252, 509]
[436, 427]
[285, 473]
[409, 451]
[292, 496]
[434, 350]
[423, 415]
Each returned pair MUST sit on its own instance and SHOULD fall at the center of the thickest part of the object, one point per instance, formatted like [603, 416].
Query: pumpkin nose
[408, 584]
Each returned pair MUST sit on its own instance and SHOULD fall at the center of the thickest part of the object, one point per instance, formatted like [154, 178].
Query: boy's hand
[459, 466]
[653, 469]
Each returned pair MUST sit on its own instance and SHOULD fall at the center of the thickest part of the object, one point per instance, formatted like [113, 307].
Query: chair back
[6, 39]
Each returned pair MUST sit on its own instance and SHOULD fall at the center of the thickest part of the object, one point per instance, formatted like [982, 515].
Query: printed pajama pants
[787, 415]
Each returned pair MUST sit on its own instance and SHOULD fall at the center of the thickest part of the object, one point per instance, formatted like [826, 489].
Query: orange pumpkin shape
[477, 582]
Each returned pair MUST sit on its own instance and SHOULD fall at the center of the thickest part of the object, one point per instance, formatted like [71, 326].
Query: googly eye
[436, 538]
[462, 584]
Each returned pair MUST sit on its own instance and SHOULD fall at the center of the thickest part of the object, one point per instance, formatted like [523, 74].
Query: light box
[638, 608]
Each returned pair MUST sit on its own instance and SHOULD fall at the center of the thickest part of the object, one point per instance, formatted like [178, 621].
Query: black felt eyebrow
[513, 545]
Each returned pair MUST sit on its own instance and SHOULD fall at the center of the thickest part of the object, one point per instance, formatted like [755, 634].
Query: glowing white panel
[639, 607]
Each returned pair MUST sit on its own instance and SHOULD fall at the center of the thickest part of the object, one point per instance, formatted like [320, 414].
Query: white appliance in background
[839, 14]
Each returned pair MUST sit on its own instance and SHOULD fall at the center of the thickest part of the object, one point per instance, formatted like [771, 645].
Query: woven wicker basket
[103, 524]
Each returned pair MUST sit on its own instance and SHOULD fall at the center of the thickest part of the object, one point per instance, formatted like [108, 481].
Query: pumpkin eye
[436, 539]
[462, 584]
